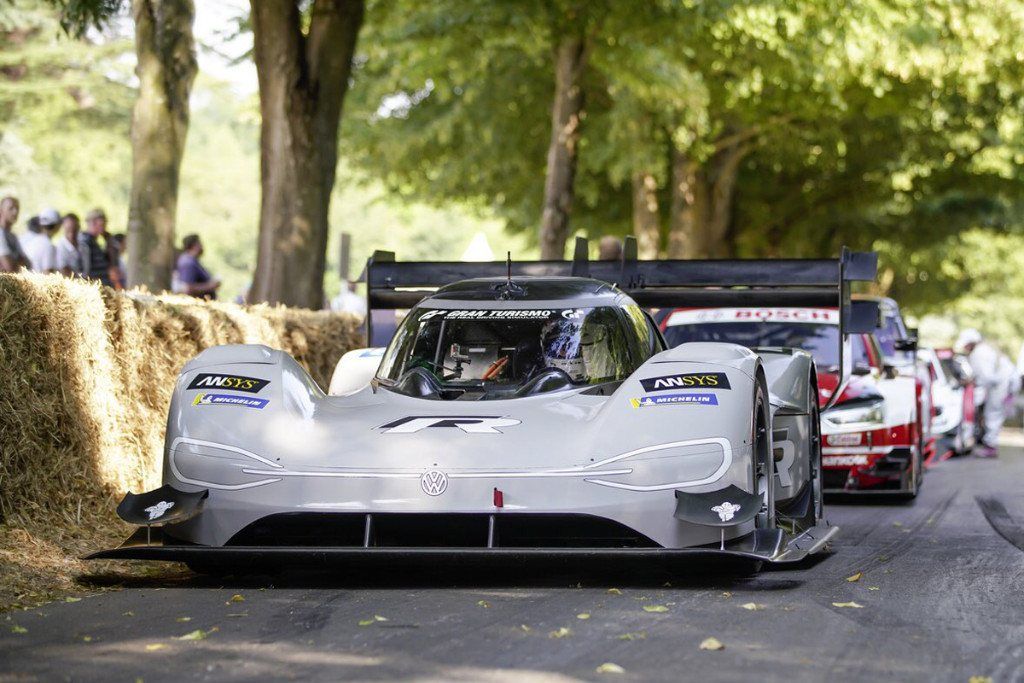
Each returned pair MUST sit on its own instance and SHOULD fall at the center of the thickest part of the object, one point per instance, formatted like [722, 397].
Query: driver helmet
[562, 343]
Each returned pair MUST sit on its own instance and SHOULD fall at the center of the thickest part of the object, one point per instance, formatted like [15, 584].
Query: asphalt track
[940, 588]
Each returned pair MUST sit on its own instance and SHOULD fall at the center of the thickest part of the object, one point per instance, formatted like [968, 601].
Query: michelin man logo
[158, 510]
[726, 511]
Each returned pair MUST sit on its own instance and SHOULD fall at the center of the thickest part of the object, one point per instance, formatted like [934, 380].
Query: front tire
[763, 459]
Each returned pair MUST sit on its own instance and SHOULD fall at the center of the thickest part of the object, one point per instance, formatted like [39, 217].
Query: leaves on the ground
[639, 635]
[182, 620]
[979, 679]
[726, 594]
[610, 668]
[483, 603]
[198, 634]
[377, 617]
[873, 588]
[153, 647]
[71, 599]
[655, 608]
[525, 628]
[18, 629]
[235, 598]
[852, 604]
[129, 613]
[855, 577]
[365, 622]
[711, 643]
[615, 591]
[560, 633]
[752, 606]
[87, 639]
[583, 615]
[897, 523]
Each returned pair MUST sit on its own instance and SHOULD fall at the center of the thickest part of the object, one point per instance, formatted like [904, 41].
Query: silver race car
[533, 411]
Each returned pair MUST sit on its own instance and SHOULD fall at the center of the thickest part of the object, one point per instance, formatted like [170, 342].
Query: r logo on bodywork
[471, 424]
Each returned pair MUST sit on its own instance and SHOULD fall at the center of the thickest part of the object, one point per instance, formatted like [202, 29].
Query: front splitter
[767, 545]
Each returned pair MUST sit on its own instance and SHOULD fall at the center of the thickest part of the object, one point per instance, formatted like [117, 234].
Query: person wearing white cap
[38, 241]
[993, 378]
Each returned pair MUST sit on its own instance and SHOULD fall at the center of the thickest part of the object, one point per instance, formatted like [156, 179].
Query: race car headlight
[865, 413]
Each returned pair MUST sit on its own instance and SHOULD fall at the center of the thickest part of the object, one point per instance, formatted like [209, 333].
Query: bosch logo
[434, 482]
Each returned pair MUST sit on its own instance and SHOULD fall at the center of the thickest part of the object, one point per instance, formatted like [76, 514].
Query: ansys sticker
[689, 380]
[206, 380]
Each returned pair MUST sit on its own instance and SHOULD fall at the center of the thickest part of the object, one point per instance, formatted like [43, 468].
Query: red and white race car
[953, 392]
[870, 422]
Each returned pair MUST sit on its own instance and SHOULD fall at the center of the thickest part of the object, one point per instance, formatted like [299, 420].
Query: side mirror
[908, 344]
[860, 368]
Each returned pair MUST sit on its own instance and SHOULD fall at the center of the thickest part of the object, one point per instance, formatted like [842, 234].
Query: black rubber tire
[763, 457]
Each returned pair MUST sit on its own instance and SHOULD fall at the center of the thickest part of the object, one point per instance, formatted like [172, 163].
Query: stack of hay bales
[86, 376]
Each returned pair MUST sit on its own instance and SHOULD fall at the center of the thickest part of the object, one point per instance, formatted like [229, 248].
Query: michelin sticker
[689, 380]
[229, 400]
[675, 399]
[157, 511]
[726, 511]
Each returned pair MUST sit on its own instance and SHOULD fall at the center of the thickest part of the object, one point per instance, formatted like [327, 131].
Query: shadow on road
[539, 573]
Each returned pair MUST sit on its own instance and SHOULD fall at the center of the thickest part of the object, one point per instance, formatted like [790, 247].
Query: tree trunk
[702, 201]
[723, 172]
[303, 79]
[646, 215]
[570, 60]
[688, 207]
[166, 69]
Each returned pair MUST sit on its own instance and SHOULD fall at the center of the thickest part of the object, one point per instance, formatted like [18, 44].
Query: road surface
[940, 587]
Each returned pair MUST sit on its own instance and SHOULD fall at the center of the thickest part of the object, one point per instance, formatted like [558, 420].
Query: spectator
[96, 263]
[118, 273]
[348, 301]
[192, 278]
[609, 249]
[993, 379]
[12, 256]
[69, 257]
[38, 241]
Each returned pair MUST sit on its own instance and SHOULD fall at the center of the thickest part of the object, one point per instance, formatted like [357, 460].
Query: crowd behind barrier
[57, 243]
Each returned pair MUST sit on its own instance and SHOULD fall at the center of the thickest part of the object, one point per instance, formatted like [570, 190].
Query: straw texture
[86, 376]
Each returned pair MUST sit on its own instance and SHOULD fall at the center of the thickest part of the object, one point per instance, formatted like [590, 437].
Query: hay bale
[86, 376]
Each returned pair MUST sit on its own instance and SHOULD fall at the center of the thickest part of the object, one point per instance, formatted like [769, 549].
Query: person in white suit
[994, 378]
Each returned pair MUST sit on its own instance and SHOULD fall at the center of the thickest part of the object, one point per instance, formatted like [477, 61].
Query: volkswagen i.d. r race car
[533, 412]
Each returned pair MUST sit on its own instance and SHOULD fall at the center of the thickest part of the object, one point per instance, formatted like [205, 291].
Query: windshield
[813, 330]
[499, 352]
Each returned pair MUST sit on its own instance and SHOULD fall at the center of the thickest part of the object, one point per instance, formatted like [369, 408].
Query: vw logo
[434, 482]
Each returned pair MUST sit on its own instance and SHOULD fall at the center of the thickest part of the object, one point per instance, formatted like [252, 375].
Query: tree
[166, 68]
[566, 117]
[303, 59]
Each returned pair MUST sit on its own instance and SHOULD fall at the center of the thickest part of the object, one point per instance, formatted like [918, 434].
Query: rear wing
[698, 283]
